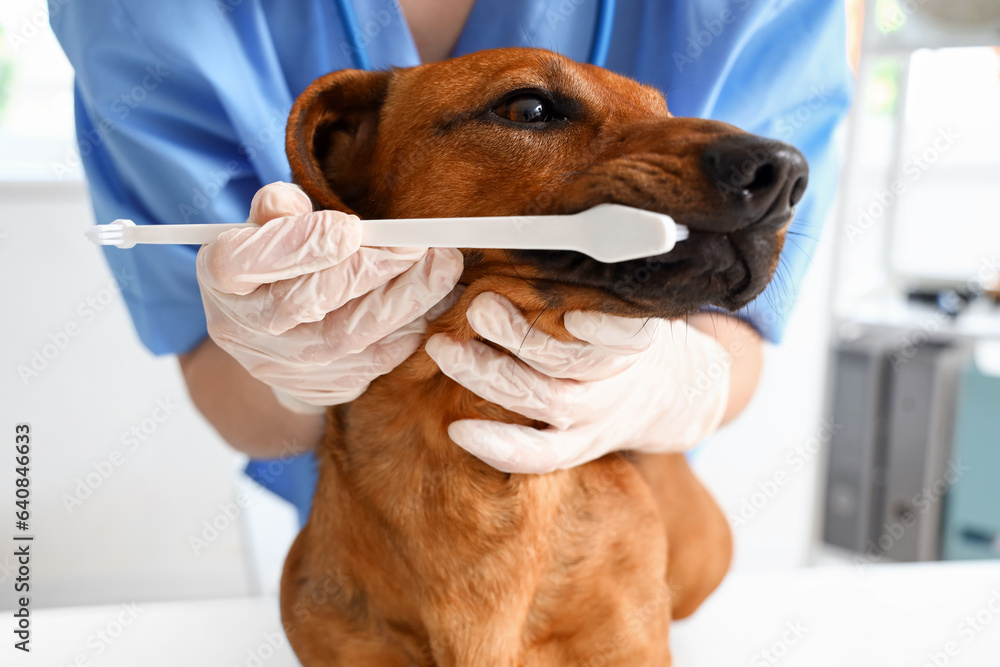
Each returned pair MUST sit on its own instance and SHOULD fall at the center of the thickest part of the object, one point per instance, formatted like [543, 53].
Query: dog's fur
[417, 553]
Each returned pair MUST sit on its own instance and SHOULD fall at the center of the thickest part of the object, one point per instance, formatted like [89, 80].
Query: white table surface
[885, 616]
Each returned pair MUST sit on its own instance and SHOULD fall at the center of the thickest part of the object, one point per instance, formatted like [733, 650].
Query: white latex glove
[645, 385]
[306, 310]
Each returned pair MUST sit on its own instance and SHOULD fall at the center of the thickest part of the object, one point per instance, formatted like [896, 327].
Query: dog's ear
[331, 137]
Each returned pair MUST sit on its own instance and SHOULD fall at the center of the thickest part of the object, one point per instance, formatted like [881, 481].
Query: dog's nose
[760, 180]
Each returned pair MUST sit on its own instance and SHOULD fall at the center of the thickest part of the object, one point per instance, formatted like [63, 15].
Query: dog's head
[525, 132]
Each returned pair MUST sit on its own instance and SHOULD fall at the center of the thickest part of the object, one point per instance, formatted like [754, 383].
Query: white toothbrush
[607, 232]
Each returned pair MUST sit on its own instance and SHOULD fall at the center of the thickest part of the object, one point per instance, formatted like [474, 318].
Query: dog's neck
[402, 448]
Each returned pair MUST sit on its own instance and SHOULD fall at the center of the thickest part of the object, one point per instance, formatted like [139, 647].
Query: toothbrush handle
[184, 234]
[606, 232]
[555, 232]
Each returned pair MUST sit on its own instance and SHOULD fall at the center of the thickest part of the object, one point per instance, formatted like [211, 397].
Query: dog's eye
[527, 108]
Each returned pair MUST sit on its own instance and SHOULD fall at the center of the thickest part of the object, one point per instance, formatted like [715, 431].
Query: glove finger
[498, 320]
[344, 380]
[620, 335]
[277, 307]
[403, 300]
[278, 200]
[241, 260]
[367, 319]
[509, 447]
[400, 303]
[501, 379]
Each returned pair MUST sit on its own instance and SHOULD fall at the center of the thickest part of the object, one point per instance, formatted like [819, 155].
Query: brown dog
[417, 553]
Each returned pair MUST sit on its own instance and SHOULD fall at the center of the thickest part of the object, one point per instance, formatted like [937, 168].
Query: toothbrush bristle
[111, 234]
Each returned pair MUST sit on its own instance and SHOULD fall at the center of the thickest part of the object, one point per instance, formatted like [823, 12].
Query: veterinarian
[181, 110]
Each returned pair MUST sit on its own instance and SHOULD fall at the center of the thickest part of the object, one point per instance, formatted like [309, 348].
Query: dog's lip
[773, 219]
[684, 272]
[735, 297]
[744, 291]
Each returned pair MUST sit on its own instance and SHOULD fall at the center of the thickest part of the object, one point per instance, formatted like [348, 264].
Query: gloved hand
[306, 310]
[646, 385]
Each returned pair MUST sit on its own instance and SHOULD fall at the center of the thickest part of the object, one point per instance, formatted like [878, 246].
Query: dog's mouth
[721, 269]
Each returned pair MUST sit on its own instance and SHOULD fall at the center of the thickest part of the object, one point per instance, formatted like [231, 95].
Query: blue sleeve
[156, 147]
[778, 69]
[292, 478]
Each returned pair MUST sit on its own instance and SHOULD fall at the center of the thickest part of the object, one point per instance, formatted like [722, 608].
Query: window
[949, 222]
[36, 98]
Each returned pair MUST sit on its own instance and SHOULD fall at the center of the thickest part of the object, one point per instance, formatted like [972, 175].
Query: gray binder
[854, 474]
[922, 397]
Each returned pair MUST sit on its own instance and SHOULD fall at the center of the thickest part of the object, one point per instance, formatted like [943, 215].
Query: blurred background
[875, 437]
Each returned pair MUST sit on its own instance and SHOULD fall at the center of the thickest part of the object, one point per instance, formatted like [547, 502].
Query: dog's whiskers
[796, 244]
[513, 267]
[517, 355]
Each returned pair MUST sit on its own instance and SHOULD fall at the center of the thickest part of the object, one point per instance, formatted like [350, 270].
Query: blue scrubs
[181, 109]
